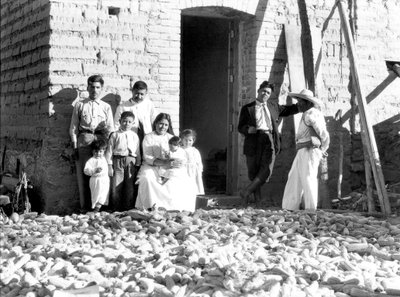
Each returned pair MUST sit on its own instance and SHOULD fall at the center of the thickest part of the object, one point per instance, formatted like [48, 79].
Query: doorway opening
[205, 94]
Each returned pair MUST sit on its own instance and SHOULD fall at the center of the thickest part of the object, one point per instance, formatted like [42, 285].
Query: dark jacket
[247, 118]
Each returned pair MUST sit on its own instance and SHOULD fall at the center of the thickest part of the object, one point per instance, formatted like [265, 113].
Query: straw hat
[306, 95]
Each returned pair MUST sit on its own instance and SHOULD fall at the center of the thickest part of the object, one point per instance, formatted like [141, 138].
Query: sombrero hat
[306, 95]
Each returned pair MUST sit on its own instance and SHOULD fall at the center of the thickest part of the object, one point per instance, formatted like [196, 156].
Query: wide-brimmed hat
[306, 95]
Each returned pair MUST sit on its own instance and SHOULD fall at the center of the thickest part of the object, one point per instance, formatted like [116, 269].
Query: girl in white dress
[97, 168]
[179, 192]
[194, 163]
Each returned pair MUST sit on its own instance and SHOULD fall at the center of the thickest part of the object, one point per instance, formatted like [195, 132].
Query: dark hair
[189, 132]
[95, 78]
[139, 85]
[266, 84]
[126, 114]
[175, 140]
[163, 116]
[99, 144]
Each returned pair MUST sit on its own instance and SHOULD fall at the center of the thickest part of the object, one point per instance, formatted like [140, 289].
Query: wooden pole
[338, 118]
[369, 189]
[362, 104]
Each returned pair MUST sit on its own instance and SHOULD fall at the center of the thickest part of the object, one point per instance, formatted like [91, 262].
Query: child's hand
[176, 163]
[110, 170]
[98, 170]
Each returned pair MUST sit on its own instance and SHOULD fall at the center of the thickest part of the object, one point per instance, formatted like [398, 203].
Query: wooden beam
[362, 104]
[295, 61]
[375, 93]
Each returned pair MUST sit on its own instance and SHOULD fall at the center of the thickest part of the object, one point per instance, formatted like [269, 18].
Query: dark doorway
[204, 101]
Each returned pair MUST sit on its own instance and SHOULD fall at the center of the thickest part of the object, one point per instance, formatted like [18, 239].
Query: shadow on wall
[340, 139]
[387, 134]
[60, 189]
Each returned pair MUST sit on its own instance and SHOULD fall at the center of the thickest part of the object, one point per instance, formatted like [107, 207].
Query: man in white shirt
[141, 106]
[91, 119]
[312, 142]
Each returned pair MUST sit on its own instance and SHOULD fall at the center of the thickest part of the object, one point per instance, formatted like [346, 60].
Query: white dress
[179, 155]
[176, 194]
[195, 168]
[99, 182]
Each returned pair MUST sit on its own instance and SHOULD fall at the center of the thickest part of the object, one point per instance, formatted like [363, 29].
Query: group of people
[258, 122]
[138, 147]
[132, 159]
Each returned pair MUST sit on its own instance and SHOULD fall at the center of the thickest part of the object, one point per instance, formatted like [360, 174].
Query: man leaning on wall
[91, 119]
[258, 123]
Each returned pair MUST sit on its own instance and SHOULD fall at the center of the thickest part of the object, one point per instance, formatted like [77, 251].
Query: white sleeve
[117, 116]
[148, 153]
[315, 119]
[199, 162]
[89, 169]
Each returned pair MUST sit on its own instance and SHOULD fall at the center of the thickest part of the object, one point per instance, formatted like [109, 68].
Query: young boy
[123, 155]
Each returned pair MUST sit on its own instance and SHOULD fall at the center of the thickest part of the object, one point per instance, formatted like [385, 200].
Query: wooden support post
[369, 133]
[295, 61]
[369, 189]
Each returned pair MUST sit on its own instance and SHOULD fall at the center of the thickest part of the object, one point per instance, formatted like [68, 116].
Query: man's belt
[261, 131]
[307, 144]
[123, 156]
[87, 131]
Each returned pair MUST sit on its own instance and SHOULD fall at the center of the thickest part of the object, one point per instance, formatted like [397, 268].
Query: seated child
[175, 153]
[123, 158]
[194, 163]
[96, 167]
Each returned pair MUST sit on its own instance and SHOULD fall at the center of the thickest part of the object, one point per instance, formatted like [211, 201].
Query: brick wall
[24, 84]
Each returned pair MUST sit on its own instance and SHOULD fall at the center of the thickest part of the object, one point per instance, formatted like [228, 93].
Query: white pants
[303, 180]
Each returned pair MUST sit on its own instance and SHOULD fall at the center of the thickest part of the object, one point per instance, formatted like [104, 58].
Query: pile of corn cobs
[244, 252]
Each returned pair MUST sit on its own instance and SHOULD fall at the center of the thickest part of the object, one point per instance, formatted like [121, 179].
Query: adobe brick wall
[50, 47]
[24, 84]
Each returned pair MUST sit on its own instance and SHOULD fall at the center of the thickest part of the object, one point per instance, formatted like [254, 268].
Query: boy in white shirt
[123, 157]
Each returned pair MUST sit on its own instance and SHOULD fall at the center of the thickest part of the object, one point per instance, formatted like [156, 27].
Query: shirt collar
[122, 131]
[97, 101]
[258, 103]
[135, 102]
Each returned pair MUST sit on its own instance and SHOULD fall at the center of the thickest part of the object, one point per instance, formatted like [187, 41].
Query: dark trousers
[260, 164]
[85, 153]
[123, 192]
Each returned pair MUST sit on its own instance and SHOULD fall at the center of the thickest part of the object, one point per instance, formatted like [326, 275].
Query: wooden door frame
[232, 158]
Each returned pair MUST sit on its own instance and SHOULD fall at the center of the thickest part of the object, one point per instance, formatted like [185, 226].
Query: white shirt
[155, 146]
[263, 117]
[91, 115]
[123, 143]
[144, 112]
[313, 119]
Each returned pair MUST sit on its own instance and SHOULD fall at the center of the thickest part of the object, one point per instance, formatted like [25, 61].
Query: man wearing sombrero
[258, 122]
[312, 142]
